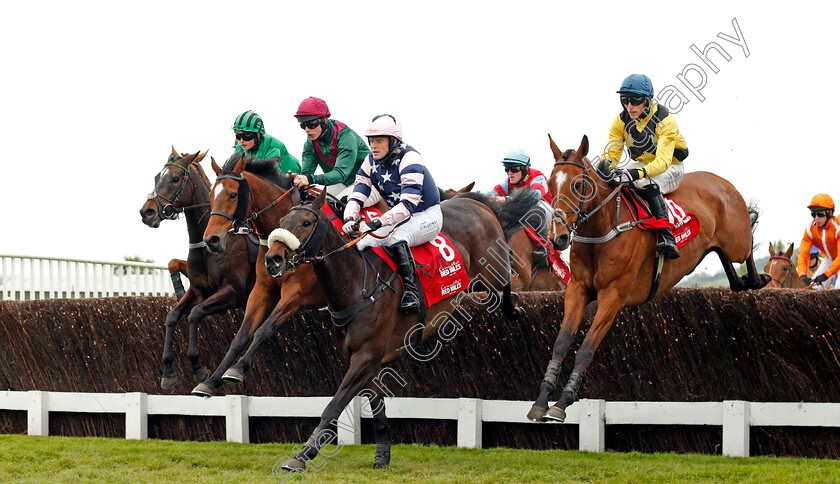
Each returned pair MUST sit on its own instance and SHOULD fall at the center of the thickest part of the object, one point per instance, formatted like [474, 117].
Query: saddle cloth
[440, 268]
[558, 266]
[684, 224]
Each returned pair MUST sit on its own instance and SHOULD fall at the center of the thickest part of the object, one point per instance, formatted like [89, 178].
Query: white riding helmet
[384, 125]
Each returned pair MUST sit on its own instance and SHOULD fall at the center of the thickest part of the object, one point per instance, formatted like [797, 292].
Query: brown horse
[616, 267]
[364, 299]
[254, 193]
[217, 282]
[782, 270]
[516, 213]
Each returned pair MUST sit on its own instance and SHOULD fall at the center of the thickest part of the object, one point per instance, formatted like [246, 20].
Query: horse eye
[306, 223]
[232, 196]
[786, 268]
[577, 186]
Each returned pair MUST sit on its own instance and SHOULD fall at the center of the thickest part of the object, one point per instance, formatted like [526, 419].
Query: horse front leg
[222, 300]
[609, 302]
[296, 293]
[364, 364]
[168, 379]
[575, 302]
[261, 300]
[754, 280]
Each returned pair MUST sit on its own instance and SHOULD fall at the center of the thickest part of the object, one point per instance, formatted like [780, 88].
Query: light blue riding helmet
[517, 156]
[637, 84]
[814, 250]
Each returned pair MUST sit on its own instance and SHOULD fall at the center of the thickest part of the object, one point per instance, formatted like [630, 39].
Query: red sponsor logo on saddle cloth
[558, 265]
[684, 224]
[440, 267]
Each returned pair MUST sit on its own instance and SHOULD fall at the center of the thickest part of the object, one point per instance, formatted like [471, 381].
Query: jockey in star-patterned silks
[397, 171]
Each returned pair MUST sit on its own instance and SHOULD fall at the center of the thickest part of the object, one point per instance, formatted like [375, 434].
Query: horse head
[577, 189]
[781, 269]
[303, 223]
[229, 203]
[177, 186]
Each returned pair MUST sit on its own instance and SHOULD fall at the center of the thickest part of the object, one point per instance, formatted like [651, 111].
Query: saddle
[684, 224]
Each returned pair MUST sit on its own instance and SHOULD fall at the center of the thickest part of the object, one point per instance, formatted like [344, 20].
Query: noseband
[305, 254]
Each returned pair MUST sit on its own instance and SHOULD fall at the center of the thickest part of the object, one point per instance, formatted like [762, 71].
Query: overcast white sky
[93, 94]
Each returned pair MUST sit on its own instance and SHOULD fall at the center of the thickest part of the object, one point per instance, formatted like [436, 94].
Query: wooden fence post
[38, 414]
[591, 426]
[136, 416]
[736, 428]
[469, 423]
[236, 420]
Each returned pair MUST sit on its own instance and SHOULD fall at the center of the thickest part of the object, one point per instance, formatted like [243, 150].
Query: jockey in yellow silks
[653, 141]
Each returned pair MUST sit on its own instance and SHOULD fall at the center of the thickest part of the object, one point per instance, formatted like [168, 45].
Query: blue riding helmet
[517, 156]
[814, 250]
[637, 84]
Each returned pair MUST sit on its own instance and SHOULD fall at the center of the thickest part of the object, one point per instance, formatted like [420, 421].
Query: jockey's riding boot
[539, 257]
[410, 301]
[665, 243]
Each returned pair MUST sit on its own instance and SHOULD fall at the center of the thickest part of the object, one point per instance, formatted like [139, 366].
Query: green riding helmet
[249, 121]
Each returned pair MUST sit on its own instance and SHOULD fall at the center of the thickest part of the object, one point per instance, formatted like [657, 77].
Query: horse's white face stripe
[559, 179]
[164, 172]
[217, 190]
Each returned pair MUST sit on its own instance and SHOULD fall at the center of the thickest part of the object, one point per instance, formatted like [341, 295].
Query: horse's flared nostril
[214, 244]
[561, 242]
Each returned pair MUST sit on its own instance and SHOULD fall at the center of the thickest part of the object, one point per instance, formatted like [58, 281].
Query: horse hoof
[557, 414]
[517, 313]
[233, 376]
[167, 382]
[203, 390]
[201, 376]
[537, 414]
[381, 460]
[294, 465]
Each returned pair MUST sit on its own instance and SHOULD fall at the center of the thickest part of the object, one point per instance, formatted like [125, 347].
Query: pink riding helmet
[384, 125]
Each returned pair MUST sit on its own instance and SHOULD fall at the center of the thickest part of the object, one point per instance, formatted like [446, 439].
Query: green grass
[66, 459]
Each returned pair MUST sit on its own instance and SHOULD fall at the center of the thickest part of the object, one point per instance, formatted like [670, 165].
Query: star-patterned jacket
[403, 181]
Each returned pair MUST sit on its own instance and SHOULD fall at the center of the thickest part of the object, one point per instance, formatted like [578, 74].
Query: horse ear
[554, 149]
[583, 149]
[772, 250]
[174, 153]
[215, 166]
[200, 157]
[789, 251]
[469, 187]
[320, 199]
[240, 165]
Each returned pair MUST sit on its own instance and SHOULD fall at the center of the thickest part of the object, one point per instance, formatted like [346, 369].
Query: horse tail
[755, 212]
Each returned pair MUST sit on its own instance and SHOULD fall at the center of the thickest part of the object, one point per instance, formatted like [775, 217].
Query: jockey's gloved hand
[805, 280]
[351, 225]
[370, 226]
[820, 279]
[628, 176]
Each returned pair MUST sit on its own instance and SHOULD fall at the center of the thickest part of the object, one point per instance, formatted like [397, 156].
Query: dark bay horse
[618, 272]
[254, 193]
[217, 282]
[782, 270]
[517, 212]
[364, 299]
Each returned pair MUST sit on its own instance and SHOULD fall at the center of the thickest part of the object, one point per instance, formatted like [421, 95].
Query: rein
[246, 224]
[584, 216]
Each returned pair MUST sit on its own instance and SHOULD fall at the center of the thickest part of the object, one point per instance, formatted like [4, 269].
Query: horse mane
[512, 212]
[480, 198]
[264, 168]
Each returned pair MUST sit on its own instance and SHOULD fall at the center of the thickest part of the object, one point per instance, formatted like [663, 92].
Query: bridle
[168, 210]
[781, 284]
[582, 215]
[242, 224]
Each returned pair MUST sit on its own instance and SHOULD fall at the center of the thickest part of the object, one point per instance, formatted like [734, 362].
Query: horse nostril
[273, 260]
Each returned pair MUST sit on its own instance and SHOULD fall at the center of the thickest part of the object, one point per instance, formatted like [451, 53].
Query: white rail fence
[591, 416]
[25, 277]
